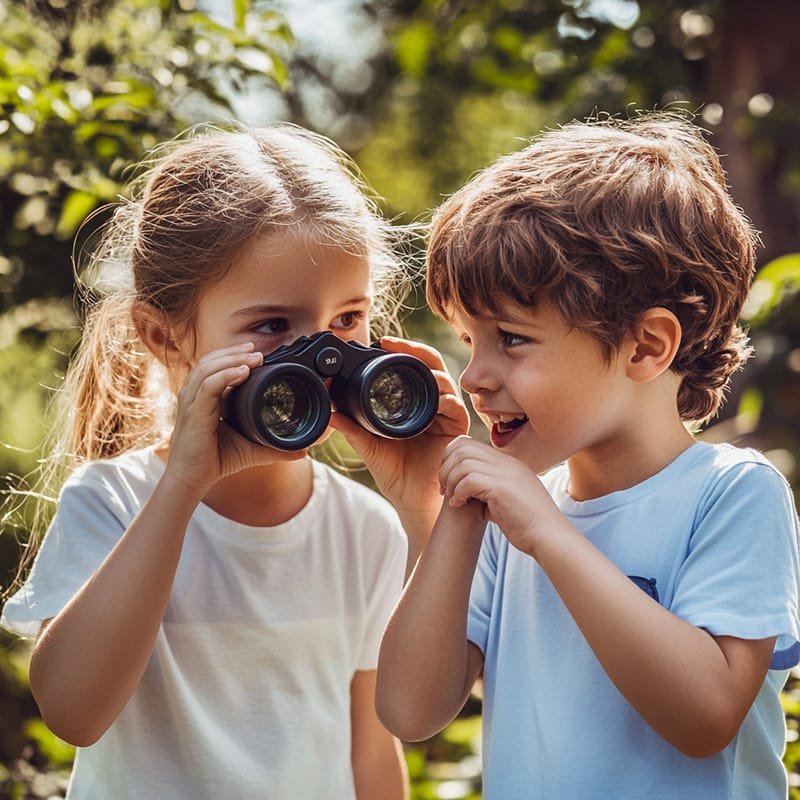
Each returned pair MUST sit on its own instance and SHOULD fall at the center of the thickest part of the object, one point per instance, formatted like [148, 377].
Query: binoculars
[286, 402]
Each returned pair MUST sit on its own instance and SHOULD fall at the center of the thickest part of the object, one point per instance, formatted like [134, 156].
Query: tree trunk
[755, 51]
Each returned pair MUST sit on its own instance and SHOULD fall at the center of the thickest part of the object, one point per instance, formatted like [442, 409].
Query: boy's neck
[626, 461]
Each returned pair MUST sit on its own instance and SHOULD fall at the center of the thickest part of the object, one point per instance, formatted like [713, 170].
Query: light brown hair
[194, 204]
[197, 201]
[607, 218]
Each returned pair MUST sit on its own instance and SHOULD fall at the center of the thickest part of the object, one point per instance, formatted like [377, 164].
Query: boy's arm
[379, 771]
[426, 666]
[692, 688]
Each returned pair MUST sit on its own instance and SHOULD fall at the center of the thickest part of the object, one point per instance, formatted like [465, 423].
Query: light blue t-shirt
[714, 537]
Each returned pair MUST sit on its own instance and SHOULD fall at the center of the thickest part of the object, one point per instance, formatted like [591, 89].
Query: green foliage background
[87, 86]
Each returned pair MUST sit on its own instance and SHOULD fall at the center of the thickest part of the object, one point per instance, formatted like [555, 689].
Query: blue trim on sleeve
[785, 659]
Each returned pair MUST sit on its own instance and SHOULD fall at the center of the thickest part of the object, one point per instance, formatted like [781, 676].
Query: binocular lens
[284, 409]
[286, 403]
[394, 395]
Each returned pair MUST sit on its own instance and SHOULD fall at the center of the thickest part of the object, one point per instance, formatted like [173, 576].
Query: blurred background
[422, 93]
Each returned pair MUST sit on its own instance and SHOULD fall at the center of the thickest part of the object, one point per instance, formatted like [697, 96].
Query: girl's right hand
[203, 448]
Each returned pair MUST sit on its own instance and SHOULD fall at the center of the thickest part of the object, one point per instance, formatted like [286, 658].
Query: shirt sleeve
[483, 585]
[87, 524]
[741, 575]
[383, 593]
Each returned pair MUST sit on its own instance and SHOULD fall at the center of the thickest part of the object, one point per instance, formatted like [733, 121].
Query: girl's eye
[272, 327]
[348, 320]
[464, 339]
[512, 339]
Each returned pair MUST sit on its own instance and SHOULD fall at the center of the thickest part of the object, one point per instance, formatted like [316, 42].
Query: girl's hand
[203, 448]
[510, 495]
[406, 470]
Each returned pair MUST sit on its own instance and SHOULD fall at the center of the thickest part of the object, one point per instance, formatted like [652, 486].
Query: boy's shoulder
[724, 460]
[699, 471]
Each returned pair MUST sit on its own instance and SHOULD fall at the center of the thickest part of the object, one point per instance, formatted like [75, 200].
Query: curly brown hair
[606, 219]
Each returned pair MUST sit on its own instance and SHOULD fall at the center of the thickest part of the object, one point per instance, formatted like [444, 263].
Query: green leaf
[74, 210]
[772, 283]
[413, 46]
[240, 8]
[57, 751]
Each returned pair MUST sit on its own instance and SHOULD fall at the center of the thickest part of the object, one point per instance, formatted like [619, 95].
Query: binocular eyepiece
[286, 404]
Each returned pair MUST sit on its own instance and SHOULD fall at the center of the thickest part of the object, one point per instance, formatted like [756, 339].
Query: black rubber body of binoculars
[286, 404]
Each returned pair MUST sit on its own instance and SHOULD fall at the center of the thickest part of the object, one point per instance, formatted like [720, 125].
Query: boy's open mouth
[506, 426]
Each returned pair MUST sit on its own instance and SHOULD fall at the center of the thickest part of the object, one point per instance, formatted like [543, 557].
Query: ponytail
[109, 402]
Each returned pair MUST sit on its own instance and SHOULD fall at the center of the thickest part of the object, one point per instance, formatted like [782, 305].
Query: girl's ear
[157, 334]
[655, 343]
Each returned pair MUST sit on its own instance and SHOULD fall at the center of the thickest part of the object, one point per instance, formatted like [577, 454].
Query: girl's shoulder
[135, 472]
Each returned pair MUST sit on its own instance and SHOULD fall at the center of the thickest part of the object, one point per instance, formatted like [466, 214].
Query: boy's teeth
[509, 423]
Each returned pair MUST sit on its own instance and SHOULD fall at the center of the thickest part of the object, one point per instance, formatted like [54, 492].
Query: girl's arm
[406, 471]
[89, 659]
[694, 689]
[379, 770]
[427, 667]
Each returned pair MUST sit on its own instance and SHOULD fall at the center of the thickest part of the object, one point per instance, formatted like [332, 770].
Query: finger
[424, 352]
[470, 487]
[455, 412]
[219, 361]
[359, 438]
[209, 393]
[445, 382]
[253, 453]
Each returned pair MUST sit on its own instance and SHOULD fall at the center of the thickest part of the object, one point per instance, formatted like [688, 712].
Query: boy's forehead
[506, 310]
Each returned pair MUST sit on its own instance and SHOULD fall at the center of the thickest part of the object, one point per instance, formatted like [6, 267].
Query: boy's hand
[406, 470]
[511, 495]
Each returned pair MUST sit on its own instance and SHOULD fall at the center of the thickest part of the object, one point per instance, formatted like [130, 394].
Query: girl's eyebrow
[264, 309]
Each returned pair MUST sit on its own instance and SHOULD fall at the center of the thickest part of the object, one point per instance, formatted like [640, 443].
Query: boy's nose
[476, 377]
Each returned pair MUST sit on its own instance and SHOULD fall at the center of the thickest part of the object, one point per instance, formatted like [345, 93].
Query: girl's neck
[264, 496]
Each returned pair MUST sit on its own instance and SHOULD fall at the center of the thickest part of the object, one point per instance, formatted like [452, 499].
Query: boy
[628, 593]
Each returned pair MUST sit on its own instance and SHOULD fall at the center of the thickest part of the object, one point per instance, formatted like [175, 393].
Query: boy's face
[543, 389]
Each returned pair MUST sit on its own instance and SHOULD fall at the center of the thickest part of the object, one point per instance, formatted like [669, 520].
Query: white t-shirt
[713, 537]
[246, 694]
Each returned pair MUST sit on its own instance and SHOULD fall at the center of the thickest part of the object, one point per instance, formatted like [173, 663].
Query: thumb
[357, 437]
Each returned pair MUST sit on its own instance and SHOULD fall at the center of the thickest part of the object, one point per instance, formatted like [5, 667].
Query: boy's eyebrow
[522, 318]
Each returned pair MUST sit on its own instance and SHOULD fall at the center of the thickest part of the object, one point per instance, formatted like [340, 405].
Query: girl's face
[282, 287]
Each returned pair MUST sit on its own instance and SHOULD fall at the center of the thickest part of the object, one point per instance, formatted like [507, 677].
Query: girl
[208, 610]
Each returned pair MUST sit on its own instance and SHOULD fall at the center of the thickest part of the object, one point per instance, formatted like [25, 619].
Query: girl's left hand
[406, 471]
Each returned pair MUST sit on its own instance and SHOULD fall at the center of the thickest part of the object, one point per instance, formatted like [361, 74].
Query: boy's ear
[156, 333]
[655, 343]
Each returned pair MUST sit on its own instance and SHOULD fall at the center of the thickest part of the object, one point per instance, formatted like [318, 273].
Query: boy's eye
[510, 339]
[464, 339]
